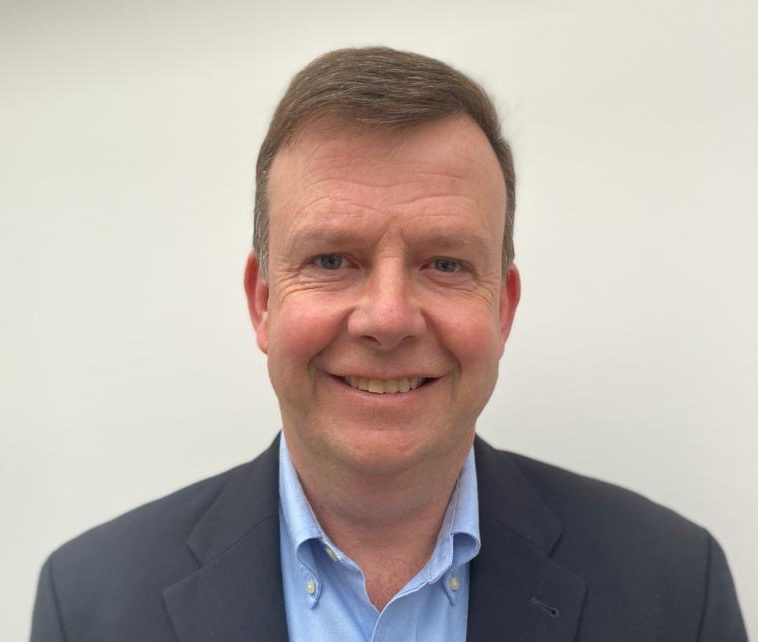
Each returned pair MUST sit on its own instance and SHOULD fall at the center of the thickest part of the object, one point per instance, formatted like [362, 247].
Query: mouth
[385, 386]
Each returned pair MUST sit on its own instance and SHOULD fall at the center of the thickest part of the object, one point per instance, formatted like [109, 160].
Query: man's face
[385, 313]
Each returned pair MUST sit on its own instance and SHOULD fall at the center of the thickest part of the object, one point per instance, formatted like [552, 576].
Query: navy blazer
[564, 559]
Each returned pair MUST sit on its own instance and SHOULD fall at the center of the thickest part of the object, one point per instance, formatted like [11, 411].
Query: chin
[385, 452]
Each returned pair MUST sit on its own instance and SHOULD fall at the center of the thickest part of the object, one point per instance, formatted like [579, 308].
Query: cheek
[471, 334]
[298, 330]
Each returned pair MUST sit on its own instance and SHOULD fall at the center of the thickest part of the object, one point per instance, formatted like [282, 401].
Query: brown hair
[384, 88]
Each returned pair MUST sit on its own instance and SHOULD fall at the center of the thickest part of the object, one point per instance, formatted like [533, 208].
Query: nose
[388, 311]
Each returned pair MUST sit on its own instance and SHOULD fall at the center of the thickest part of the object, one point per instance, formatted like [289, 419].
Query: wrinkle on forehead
[445, 226]
[334, 180]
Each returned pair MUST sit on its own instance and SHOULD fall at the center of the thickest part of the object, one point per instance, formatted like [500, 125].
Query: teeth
[382, 386]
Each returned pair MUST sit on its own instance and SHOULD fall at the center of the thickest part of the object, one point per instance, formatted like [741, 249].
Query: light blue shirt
[325, 591]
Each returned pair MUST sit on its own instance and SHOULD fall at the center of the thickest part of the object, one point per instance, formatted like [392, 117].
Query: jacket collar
[236, 594]
[517, 591]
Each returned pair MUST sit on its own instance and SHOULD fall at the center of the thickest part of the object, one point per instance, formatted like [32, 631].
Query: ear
[510, 293]
[256, 289]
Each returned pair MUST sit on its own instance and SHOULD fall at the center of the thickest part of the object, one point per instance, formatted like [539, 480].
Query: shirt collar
[296, 509]
[458, 541]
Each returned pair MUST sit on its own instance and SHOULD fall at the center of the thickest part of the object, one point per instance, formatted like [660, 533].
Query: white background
[127, 146]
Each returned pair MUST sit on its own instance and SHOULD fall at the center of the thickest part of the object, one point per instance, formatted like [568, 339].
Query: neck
[386, 523]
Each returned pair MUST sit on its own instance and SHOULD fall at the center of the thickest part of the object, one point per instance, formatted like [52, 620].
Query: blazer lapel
[236, 594]
[517, 592]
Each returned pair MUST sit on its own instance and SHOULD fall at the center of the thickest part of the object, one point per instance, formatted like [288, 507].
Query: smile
[385, 386]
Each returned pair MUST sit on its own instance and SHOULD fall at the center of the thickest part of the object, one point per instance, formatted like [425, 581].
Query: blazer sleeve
[46, 618]
[721, 619]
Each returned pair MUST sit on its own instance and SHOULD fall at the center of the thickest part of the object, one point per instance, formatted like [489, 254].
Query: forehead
[335, 175]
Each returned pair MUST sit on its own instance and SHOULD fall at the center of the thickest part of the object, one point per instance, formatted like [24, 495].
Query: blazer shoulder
[592, 505]
[663, 568]
[112, 577]
[142, 536]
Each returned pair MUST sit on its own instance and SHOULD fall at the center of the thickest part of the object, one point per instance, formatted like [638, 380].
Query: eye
[447, 265]
[329, 261]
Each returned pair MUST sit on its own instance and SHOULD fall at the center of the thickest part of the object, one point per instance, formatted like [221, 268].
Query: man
[382, 289]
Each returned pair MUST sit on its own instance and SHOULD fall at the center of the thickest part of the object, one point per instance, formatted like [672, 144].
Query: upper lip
[382, 377]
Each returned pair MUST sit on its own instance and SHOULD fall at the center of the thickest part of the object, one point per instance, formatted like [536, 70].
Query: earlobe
[256, 289]
[510, 295]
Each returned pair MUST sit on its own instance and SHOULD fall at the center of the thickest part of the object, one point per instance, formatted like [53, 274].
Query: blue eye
[447, 265]
[329, 261]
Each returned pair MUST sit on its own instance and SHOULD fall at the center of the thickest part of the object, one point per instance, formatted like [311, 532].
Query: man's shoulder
[645, 567]
[171, 515]
[603, 524]
[580, 499]
[112, 577]
[153, 534]
[161, 540]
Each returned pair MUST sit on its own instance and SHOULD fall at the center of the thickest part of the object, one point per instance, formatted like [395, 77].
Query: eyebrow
[318, 236]
[338, 238]
[456, 240]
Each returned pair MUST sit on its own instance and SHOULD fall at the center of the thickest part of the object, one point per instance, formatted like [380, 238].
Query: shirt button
[331, 553]
[454, 583]
[310, 586]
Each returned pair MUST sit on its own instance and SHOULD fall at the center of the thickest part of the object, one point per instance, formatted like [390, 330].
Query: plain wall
[129, 131]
